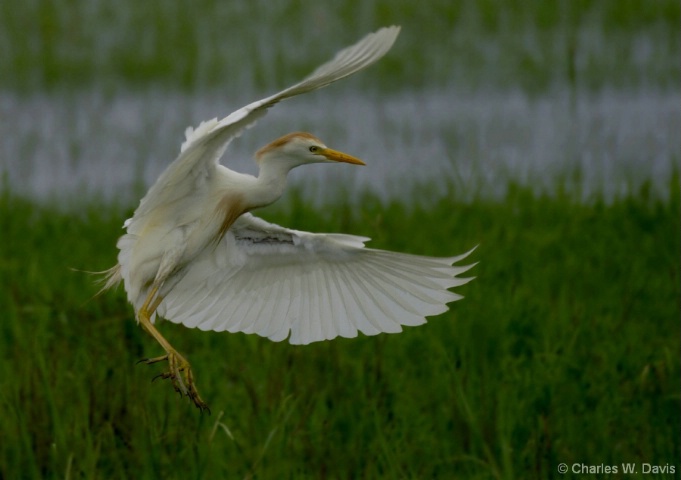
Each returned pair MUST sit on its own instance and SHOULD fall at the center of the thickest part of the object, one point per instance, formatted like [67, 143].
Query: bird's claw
[149, 361]
[180, 374]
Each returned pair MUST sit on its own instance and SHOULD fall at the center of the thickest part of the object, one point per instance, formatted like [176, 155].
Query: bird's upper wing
[205, 145]
[272, 281]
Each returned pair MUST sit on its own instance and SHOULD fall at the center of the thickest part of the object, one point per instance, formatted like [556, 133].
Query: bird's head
[300, 148]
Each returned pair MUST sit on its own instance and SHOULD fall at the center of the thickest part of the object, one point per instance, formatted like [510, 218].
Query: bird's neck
[270, 184]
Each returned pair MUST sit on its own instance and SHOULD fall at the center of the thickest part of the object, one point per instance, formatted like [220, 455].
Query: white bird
[194, 255]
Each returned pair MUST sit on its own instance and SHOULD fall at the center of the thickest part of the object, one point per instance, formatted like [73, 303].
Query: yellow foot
[180, 374]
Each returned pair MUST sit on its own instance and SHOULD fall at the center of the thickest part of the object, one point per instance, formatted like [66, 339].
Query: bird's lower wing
[272, 281]
[205, 144]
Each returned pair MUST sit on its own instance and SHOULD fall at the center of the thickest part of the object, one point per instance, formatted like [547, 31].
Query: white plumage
[270, 280]
[193, 254]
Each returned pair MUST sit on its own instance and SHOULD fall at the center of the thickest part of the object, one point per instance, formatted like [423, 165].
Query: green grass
[565, 349]
[200, 44]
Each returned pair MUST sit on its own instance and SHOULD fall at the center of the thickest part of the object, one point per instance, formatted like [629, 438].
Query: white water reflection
[464, 144]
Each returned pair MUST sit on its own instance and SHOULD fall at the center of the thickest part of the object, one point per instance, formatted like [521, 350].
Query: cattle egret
[193, 254]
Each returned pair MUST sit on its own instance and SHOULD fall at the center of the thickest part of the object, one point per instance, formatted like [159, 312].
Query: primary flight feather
[193, 254]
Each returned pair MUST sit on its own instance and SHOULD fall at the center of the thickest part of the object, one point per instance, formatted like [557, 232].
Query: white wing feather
[272, 281]
[205, 145]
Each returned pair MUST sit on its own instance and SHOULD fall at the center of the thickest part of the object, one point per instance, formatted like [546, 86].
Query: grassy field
[565, 349]
[199, 44]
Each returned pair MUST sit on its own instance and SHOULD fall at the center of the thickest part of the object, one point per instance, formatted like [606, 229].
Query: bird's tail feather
[109, 278]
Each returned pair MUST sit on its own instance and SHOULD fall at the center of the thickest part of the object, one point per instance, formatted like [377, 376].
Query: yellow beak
[337, 156]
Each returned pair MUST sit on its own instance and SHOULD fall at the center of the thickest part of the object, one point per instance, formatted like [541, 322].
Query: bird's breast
[230, 207]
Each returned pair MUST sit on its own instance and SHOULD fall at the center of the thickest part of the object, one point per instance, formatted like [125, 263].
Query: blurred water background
[475, 96]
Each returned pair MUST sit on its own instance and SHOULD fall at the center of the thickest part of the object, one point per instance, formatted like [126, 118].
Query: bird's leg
[179, 370]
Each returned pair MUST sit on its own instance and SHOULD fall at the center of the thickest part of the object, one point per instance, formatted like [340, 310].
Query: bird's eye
[314, 149]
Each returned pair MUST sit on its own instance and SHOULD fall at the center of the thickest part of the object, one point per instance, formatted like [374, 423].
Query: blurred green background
[259, 44]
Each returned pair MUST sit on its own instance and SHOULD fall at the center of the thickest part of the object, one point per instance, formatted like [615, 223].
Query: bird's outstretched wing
[205, 144]
[272, 281]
